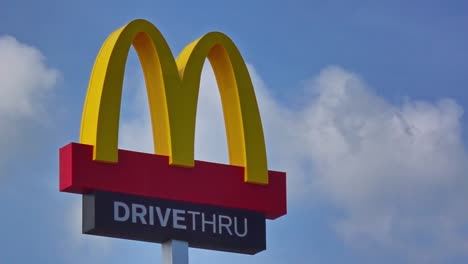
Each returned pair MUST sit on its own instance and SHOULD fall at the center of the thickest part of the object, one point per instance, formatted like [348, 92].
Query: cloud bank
[394, 171]
[25, 78]
[26, 81]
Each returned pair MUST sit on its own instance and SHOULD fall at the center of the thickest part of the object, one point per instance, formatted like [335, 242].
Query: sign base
[175, 252]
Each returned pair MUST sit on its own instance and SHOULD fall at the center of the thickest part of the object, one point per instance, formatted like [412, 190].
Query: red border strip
[151, 176]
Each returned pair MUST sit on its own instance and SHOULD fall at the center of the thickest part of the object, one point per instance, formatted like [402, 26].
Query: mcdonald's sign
[169, 195]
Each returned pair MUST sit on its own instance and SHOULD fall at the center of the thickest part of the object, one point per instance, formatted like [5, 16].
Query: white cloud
[396, 172]
[25, 83]
[24, 79]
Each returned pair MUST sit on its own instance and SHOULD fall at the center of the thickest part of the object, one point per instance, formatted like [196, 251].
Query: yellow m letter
[172, 88]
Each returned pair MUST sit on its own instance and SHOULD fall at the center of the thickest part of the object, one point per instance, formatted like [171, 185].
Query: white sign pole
[175, 252]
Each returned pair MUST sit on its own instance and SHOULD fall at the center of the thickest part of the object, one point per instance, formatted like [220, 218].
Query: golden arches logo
[172, 88]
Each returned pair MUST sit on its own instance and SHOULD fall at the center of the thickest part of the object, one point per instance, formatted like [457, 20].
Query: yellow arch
[172, 89]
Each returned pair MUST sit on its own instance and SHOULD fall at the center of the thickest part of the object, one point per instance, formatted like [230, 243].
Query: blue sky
[362, 104]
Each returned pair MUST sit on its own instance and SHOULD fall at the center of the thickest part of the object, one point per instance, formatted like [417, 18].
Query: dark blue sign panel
[156, 220]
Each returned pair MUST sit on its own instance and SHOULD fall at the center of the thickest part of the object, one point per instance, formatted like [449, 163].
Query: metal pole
[175, 252]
